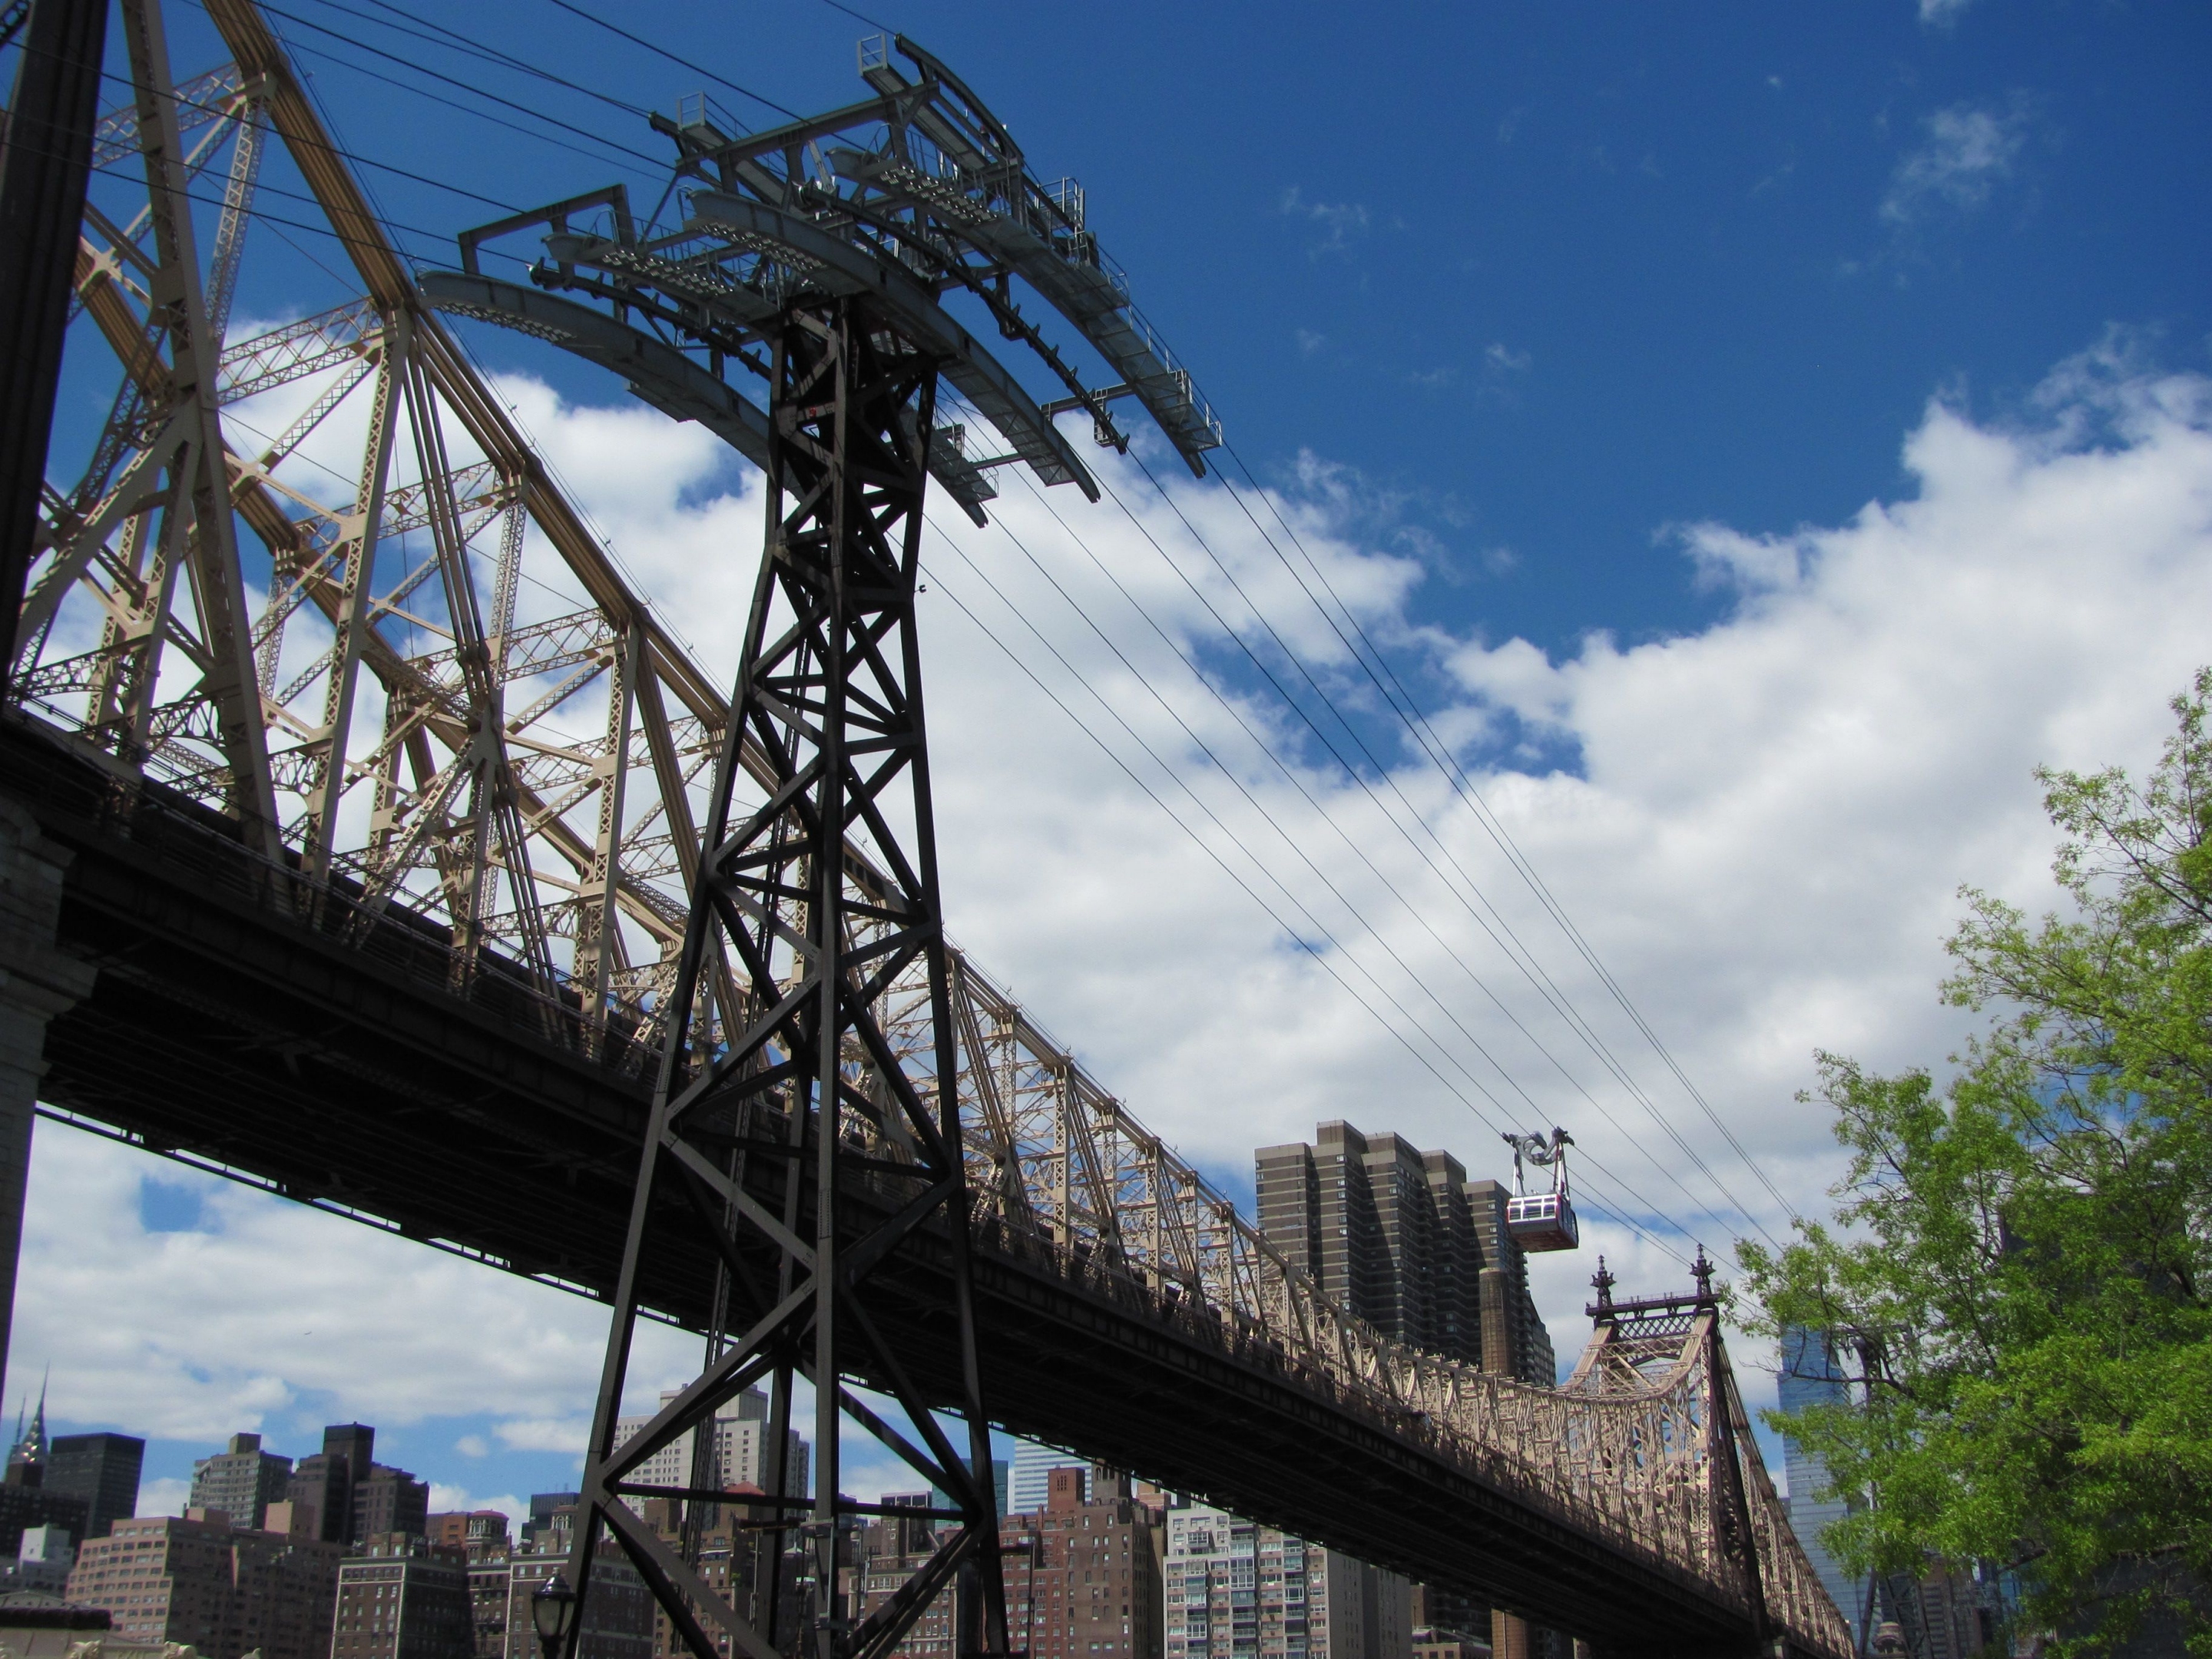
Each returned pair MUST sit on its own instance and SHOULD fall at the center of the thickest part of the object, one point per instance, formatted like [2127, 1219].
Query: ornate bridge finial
[1702, 1271]
[1604, 1281]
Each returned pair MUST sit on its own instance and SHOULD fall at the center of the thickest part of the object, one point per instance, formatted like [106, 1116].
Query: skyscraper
[225, 1591]
[1403, 1239]
[1028, 1480]
[741, 1443]
[1235, 1590]
[324, 1482]
[1811, 1376]
[100, 1468]
[242, 1482]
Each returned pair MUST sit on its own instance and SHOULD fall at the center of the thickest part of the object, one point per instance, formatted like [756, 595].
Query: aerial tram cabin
[1542, 1221]
[1539, 1222]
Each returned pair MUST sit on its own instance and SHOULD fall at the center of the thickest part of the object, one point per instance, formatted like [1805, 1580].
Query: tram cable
[1418, 724]
[395, 226]
[1518, 949]
[1350, 771]
[1289, 773]
[1613, 1211]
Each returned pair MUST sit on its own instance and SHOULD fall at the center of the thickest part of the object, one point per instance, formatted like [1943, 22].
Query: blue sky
[1549, 279]
[1542, 323]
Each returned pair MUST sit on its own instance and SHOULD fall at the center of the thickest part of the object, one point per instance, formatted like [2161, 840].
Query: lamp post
[553, 1611]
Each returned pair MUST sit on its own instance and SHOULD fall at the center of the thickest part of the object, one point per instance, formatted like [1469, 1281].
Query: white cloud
[270, 1309]
[1941, 14]
[545, 1434]
[1340, 221]
[165, 1496]
[1965, 150]
[1760, 830]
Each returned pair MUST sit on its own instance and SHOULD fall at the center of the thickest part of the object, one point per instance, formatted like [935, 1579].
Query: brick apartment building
[402, 1597]
[224, 1590]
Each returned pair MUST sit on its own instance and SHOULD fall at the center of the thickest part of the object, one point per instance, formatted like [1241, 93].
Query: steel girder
[798, 1072]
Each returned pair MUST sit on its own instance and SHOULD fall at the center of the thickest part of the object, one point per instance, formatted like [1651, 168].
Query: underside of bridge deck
[327, 1057]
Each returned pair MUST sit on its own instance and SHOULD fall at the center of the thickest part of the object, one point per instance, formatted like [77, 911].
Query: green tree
[2021, 1256]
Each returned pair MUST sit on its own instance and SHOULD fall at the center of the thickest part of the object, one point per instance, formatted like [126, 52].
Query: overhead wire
[1390, 782]
[1322, 811]
[1283, 692]
[1274, 824]
[936, 577]
[396, 227]
[657, 162]
[677, 59]
[1440, 754]
[1516, 948]
[452, 40]
[353, 156]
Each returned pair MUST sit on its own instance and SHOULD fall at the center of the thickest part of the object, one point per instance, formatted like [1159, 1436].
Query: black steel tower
[792, 1143]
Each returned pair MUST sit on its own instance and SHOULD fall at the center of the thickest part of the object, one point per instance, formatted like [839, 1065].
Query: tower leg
[816, 898]
[37, 983]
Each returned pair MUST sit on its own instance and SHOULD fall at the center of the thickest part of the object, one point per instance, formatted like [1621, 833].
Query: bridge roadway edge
[219, 1030]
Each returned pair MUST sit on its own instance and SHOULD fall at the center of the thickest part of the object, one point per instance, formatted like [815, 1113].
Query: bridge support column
[37, 981]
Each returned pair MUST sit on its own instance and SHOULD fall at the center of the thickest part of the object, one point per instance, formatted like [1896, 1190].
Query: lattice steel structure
[815, 255]
[340, 645]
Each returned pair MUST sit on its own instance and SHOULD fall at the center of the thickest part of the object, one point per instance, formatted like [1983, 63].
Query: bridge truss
[408, 690]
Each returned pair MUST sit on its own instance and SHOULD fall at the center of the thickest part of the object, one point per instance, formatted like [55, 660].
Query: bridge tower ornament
[795, 1136]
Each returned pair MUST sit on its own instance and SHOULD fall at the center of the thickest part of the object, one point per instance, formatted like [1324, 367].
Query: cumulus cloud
[165, 1496]
[1758, 828]
[268, 1315]
[1964, 151]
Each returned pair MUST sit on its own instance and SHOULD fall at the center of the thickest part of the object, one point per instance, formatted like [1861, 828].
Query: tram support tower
[792, 1144]
[830, 690]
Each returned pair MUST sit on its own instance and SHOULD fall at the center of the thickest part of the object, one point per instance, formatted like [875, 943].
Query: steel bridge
[374, 896]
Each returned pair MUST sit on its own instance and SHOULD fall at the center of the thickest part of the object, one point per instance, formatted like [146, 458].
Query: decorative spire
[1604, 1281]
[31, 1448]
[1702, 1271]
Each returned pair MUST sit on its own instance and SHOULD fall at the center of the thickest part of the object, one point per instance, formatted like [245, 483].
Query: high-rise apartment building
[342, 1495]
[390, 1501]
[401, 1598]
[741, 1440]
[1029, 1479]
[1237, 1590]
[1081, 1575]
[225, 1591]
[1404, 1240]
[1091, 1587]
[617, 1616]
[100, 1468]
[322, 1486]
[480, 1534]
[242, 1482]
[1811, 1376]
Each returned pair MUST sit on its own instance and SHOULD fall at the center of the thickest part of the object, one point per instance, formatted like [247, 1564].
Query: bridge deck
[342, 1070]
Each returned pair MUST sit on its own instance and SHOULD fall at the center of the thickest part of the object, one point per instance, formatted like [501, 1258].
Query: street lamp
[553, 1611]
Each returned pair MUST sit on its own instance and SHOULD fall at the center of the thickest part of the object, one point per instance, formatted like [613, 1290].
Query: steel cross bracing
[796, 1070]
[917, 192]
[437, 718]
